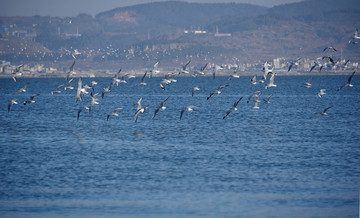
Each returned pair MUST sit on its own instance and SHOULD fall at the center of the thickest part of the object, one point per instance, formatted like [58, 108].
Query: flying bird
[17, 72]
[348, 84]
[184, 68]
[294, 63]
[188, 108]
[217, 91]
[194, 89]
[114, 113]
[57, 91]
[161, 107]
[324, 111]
[12, 102]
[234, 107]
[308, 84]
[216, 69]
[23, 89]
[142, 83]
[69, 85]
[31, 101]
[267, 100]
[330, 48]
[271, 81]
[321, 92]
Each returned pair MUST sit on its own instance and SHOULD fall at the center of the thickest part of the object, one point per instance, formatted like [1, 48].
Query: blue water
[279, 161]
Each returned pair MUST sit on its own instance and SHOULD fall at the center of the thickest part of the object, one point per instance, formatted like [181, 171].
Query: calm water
[281, 160]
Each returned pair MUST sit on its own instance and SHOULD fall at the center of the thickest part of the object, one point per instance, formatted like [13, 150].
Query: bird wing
[139, 104]
[228, 112]
[237, 102]
[185, 66]
[327, 109]
[78, 91]
[182, 112]
[136, 115]
[350, 78]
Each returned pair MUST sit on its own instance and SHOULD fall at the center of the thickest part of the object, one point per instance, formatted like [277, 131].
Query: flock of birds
[81, 90]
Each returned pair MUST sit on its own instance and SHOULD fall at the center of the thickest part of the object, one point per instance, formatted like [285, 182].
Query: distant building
[217, 34]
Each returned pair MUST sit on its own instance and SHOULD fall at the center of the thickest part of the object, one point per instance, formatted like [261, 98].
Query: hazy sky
[63, 8]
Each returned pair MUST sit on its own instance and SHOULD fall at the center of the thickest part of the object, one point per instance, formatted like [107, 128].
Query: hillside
[155, 31]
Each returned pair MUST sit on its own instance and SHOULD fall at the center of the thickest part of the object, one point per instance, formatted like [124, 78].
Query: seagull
[294, 63]
[14, 101]
[321, 92]
[116, 78]
[217, 91]
[71, 70]
[155, 69]
[17, 72]
[94, 100]
[69, 85]
[93, 83]
[78, 91]
[88, 108]
[256, 94]
[255, 82]
[184, 70]
[139, 104]
[348, 84]
[31, 101]
[267, 101]
[315, 64]
[330, 59]
[114, 113]
[201, 72]
[323, 112]
[141, 110]
[161, 107]
[23, 89]
[356, 35]
[107, 89]
[266, 71]
[216, 69]
[330, 48]
[57, 91]
[308, 84]
[143, 83]
[234, 108]
[188, 108]
[256, 105]
[271, 81]
[194, 89]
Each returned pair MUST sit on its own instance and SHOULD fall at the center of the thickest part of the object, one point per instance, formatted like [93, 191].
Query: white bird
[255, 82]
[294, 63]
[31, 101]
[267, 101]
[57, 91]
[256, 105]
[217, 91]
[201, 72]
[234, 107]
[71, 71]
[23, 89]
[142, 83]
[94, 100]
[188, 108]
[308, 84]
[348, 84]
[161, 107]
[216, 69]
[266, 70]
[139, 104]
[114, 113]
[88, 108]
[256, 94]
[271, 81]
[194, 89]
[323, 112]
[321, 92]
[184, 68]
[17, 72]
[330, 48]
[69, 85]
[141, 110]
[78, 91]
[356, 35]
[12, 102]
[107, 89]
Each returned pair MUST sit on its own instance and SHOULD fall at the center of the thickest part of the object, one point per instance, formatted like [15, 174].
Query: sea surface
[280, 160]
